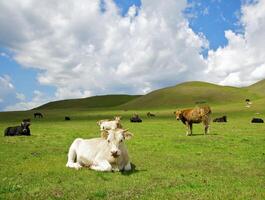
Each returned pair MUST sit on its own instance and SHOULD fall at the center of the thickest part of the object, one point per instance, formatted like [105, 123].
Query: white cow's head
[117, 118]
[115, 139]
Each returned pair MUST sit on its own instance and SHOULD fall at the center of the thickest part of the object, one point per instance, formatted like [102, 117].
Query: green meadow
[228, 163]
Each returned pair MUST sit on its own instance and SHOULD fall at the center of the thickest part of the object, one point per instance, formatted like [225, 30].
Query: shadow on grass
[133, 171]
[203, 134]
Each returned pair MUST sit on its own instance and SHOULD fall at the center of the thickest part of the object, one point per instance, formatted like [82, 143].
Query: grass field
[229, 163]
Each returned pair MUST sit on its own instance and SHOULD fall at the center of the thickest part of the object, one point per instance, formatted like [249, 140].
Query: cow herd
[108, 152]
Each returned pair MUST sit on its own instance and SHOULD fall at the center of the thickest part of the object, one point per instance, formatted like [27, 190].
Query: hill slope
[258, 87]
[191, 92]
[90, 102]
[181, 95]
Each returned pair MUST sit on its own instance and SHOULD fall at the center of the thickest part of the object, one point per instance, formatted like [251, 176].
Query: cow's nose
[114, 154]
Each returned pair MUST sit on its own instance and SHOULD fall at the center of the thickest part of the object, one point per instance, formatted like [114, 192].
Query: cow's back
[92, 148]
[12, 131]
[206, 110]
[191, 115]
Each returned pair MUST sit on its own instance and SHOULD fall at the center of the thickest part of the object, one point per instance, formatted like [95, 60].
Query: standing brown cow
[195, 115]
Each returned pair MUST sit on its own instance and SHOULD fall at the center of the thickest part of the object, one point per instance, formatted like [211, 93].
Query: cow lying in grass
[107, 153]
[135, 118]
[107, 124]
[257, 120]
[66, 118]
[220, 119]
[195, 115]
[23, 129]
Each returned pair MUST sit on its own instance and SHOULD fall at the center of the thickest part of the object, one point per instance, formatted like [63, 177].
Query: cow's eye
[108, 141]
[121, 141]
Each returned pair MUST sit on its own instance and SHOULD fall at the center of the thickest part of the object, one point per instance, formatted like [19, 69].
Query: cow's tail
[72, 153]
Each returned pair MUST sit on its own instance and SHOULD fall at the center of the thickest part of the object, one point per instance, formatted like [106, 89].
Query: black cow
[38, 114]
[135, 118]
[66, 118]
[220, 119]
[23, 129]
[257, 120]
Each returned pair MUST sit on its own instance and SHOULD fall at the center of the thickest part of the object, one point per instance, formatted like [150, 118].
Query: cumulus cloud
[38, 99]
[84, 50]
[7, 91]
[242, 61]
[6, 87]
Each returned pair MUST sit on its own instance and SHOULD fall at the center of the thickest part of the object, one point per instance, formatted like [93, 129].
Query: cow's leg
[206, 125]
[188, 128]
[72, 155]
[128, 167]
[101, 166]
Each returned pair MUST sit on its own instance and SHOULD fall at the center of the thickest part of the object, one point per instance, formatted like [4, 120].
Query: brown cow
[195, 115]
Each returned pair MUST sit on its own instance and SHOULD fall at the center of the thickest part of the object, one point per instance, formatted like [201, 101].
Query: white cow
[107, 124]
[107, 153]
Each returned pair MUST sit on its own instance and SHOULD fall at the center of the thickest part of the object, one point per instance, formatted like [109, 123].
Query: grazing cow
[38, 114]
[150, 114]
[257, 120]
[23, 129]
[107, 153]
[66, 118]
[107, 124]
[195, 115]
[135, 118]
[220, 119]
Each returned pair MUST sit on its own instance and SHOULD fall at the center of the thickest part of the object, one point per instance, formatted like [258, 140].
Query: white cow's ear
[104, 134]
[127, 135]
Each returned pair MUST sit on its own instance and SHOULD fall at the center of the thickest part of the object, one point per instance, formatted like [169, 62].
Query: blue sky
[34, 79]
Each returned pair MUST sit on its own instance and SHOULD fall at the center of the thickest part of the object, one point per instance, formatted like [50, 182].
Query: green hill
[104, 101]
[190, 93]
[258, 87]
[181, 95]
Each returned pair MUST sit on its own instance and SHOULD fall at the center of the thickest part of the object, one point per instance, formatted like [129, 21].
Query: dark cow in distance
[257, 120]
[195, 115]
[66, 118]
[220, 119]
[135, 118]
[23, 129]
[150, 114]
[38, 114]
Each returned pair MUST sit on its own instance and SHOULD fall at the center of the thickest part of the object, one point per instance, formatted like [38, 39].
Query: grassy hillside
[181, 95]
[191, 92]
[258, 87]
[90, 102]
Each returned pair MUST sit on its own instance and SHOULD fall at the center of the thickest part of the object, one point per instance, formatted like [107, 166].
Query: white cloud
[7, 91]
[20, 96]
[38, 99]
[242, 61]
[3, 54]
[6, 86]
[82, 51]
